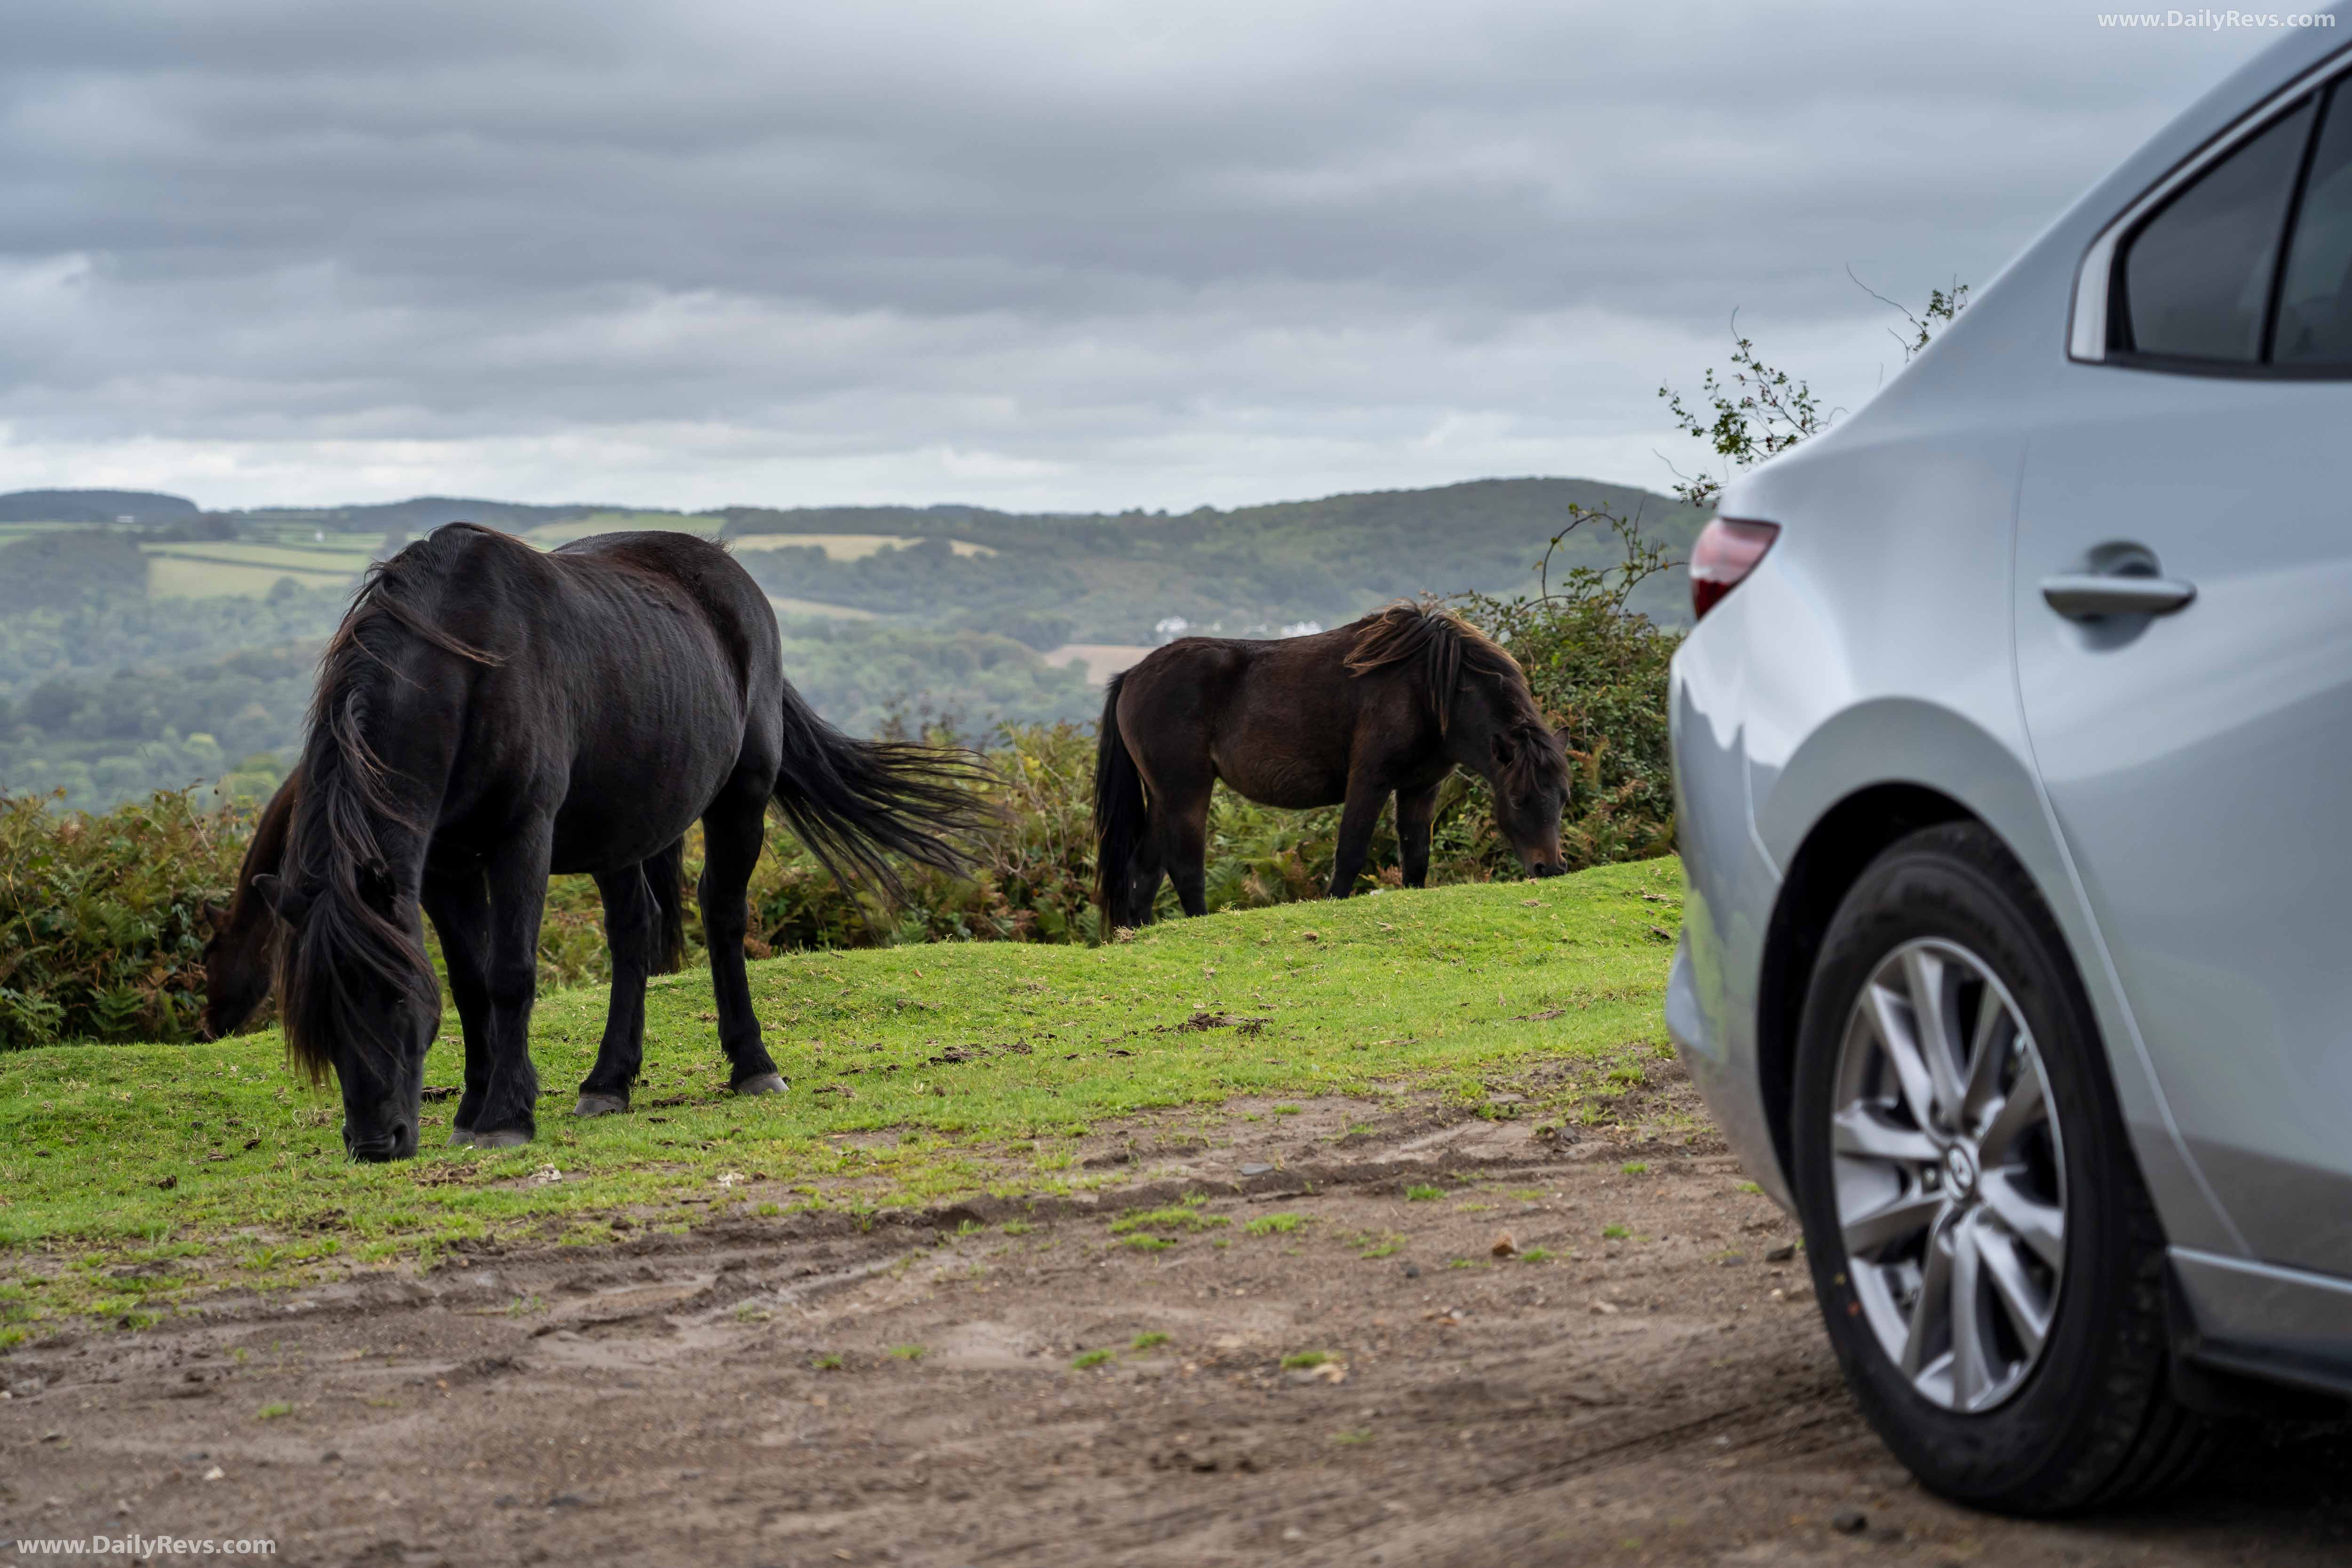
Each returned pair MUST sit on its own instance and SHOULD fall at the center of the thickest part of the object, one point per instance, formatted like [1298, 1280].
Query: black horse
[486, 714]
[1387, 705]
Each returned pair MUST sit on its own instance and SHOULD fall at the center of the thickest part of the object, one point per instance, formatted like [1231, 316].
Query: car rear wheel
[1989, 1264]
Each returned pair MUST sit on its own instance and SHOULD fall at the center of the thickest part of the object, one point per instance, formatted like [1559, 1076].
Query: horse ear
[215, 916]
[289, 905]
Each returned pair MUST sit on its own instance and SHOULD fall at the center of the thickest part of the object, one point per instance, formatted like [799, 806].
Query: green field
[317, 558]
[289, 557]
[175, 576]
[851, 546]
[917, 1073]
[547, 536]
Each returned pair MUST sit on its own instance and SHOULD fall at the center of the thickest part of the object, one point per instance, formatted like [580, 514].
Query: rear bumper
[1730, 888]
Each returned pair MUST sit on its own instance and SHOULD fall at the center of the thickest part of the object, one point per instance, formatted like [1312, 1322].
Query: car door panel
[2199, 762]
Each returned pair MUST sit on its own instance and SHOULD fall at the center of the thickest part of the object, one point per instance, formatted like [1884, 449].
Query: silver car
[2014, 754]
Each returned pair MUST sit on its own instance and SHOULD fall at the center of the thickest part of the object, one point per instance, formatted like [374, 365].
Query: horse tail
[665, 872]
[1121, 815]
[853, 802]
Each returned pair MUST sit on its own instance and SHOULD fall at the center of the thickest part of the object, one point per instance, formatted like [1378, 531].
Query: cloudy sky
[1032, 253]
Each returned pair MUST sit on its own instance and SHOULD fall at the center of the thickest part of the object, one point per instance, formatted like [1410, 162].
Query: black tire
[2096, 1419]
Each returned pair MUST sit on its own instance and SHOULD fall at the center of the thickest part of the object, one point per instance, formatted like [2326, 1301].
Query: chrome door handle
[2085, 595]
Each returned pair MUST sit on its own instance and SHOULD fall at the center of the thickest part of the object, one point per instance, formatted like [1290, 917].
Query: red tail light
[1727, 550]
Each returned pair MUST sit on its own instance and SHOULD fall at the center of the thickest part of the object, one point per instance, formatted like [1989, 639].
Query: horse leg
[517, 896]
[630, 936]
[1416, 810]
[459, 908]
[1357, 820]
[732, 832]
[1180, 828]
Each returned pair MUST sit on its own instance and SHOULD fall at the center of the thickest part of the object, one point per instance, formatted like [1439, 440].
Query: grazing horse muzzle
[1547, 869]
[398, 1143]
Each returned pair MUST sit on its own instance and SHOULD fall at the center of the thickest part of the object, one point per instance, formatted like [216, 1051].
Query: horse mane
[336, 856]
[1451, 651]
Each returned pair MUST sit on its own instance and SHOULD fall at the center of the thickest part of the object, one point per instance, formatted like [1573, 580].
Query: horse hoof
[600, 1105]
[507, 1138]
[461, 1137]
[765, 1083]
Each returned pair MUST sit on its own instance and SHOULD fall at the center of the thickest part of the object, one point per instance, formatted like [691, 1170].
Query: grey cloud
[1100, 244]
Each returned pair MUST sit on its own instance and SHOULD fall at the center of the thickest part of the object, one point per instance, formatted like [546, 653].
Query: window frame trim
[2090, 323]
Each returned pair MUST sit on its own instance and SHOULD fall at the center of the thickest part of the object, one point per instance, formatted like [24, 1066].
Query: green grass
[1275, 1224]
[1088, 1358]
[1147, 1342]
[1423, 1194]
[214, 1160]
[1305, 1360]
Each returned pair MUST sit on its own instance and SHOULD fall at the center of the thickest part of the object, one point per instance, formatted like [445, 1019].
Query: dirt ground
[752, 1391]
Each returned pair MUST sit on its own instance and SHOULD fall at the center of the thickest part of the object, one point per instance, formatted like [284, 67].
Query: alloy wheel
[1950, 1175]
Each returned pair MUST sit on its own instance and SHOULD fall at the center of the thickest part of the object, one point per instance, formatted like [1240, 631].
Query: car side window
[2197, 277]
[2315, 309]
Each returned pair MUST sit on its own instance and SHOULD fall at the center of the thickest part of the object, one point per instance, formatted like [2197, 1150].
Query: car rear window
[2315, 309]
[2197, 278]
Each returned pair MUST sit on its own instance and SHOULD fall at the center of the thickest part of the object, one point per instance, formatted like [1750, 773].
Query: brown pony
[1387, 705]
[237, 959]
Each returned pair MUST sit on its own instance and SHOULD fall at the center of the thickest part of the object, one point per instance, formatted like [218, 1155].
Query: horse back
[1275, 720]
[727, 601]
[630, 675]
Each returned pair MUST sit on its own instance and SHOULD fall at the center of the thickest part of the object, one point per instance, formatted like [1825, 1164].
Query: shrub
[103, 918]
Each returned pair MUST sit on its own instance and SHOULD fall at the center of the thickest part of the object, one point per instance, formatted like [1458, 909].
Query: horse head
[1527, 772]
[357, 1001]
[236, 966]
